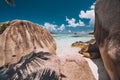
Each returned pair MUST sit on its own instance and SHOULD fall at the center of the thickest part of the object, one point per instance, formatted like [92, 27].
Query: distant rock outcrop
[89, 49]
[81, 44]
[91, 33]
[22, 37]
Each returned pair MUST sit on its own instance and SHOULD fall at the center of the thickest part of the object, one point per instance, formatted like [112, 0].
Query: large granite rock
[22, 37]
[107, 35]
[75, 67]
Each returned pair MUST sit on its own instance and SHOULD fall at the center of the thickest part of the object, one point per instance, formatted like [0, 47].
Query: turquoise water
[71, 38]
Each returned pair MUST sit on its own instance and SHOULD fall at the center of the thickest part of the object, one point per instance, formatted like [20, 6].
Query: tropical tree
[3, 24]
[10, 2]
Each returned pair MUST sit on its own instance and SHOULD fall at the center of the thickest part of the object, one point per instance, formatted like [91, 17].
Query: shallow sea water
[71, 38]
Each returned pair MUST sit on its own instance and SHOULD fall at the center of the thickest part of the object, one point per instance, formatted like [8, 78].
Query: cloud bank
[53, 27]
[84, 14]
[89, 14]
[72, 22]
[50, 27]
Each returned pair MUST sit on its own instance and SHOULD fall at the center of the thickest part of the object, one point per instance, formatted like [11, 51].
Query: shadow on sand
[101, 70]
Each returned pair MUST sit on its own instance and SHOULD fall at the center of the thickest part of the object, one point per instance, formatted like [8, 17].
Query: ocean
[68, 39]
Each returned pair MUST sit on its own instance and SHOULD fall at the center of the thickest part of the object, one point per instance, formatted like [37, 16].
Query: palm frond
[10, 2]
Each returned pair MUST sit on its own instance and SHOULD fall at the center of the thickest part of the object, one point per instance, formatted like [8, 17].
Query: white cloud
[69, 31]
[50, 27]
[92, 6]
[53, 27]
[72, 22]
[89, 14]
[61, 28]
[81, 23]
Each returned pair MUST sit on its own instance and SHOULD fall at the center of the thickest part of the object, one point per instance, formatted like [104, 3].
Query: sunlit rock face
[75, 67]
[22, 37]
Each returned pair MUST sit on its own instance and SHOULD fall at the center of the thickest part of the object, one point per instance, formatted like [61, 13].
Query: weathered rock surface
[81, 44]
[75, 67]
[89, 49]
[22, 37]
[107, 35]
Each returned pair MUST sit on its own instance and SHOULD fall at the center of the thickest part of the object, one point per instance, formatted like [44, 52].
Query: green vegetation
[91, 33]
[3, 26]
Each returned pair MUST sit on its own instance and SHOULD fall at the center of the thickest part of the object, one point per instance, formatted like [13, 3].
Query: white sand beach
[96, 65]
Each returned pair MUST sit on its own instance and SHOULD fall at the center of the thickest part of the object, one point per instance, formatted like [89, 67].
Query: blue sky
[55, 15]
